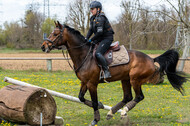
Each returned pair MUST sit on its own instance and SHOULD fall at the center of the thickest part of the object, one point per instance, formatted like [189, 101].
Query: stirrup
[108, 74]
[102, 76]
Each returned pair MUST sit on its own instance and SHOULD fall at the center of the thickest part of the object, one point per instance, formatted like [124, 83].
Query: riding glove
[89, 40]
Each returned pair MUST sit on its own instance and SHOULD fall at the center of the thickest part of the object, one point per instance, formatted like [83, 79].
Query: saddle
[116, 54]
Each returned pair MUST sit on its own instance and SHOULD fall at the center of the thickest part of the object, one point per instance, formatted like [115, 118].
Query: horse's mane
[75, 32]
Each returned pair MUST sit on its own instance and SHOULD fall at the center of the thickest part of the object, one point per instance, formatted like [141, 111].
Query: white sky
[13, 10]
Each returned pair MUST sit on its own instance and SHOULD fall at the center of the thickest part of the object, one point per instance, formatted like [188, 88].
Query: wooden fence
[48, 60]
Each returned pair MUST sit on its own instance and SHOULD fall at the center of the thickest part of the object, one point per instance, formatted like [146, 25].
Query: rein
[66, 57]
[76, 47]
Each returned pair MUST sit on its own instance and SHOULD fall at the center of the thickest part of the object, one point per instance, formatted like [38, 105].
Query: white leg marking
[109, 115]
[124, 111]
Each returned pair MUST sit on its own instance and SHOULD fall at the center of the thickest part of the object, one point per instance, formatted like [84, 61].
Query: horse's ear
[56, 24]
[60, 25]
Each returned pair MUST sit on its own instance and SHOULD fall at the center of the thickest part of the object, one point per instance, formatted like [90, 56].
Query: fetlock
[100, 105]
[97, 115]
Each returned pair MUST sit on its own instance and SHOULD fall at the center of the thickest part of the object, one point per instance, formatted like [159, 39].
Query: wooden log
[54, 93]
[24, 104]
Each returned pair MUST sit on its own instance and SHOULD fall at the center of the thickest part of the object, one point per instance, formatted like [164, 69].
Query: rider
[103, 34]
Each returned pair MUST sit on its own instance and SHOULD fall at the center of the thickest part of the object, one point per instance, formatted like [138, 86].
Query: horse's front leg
[82, 92]
[93, 93]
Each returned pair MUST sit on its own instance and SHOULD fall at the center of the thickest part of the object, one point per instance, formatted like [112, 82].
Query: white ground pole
[54, 93]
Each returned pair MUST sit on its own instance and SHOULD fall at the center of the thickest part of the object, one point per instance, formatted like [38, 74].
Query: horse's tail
[168, 62]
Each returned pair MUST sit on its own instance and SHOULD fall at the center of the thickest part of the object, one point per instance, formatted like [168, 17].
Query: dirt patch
[33, 64]
[41, 64]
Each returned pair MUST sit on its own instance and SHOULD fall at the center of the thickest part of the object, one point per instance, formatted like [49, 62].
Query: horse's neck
[78, 54]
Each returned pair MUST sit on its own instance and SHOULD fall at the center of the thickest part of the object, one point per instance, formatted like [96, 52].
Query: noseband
[54, 42]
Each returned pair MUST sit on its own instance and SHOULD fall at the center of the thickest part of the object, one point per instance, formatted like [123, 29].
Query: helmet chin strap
[98, 11]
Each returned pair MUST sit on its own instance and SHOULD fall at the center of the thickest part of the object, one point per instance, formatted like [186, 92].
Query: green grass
[9, 50]
[162, 105]
[152, 51]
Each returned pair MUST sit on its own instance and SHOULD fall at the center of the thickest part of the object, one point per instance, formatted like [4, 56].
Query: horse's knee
[81, 98]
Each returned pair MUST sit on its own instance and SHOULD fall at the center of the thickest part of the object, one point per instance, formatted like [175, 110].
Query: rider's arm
[90, 31]
[100, 27]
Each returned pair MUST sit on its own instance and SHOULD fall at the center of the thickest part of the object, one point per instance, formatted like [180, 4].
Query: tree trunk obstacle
[39, 106]
[54, 93]
[24, 104]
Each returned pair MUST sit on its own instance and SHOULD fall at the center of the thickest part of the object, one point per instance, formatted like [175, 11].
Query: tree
[129, 21]
[48, 26]
[32, 32]
[2, 38]
[141, 27]
[183, 19]
[79, 15]
[13, 34]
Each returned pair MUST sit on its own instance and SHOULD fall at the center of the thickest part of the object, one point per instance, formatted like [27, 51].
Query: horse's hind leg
[139, 97]
[126, 98]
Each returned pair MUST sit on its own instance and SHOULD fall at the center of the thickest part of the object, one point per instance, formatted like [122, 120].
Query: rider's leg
[102, 48]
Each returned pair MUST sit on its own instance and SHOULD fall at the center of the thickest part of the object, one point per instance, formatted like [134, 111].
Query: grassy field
[8, 50]
[162, 106]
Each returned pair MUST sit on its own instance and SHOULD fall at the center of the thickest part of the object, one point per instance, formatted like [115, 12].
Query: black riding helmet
[96, 4]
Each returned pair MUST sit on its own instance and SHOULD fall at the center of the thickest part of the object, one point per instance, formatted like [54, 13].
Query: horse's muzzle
[43, 48]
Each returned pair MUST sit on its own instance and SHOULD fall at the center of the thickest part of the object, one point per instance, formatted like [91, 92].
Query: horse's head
[55, 39]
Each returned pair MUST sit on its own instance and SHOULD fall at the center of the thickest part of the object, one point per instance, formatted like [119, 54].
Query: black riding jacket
[100, 26]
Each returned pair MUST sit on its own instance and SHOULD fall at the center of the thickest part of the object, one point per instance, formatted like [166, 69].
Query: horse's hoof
[93, 123]
[100, 105]
[123, 114]
[109, 115]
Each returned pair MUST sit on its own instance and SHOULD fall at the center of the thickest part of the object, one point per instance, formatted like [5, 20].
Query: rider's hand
[89, 40]
[93, 43]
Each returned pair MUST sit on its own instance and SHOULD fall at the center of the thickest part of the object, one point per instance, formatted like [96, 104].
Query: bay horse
[139, 70]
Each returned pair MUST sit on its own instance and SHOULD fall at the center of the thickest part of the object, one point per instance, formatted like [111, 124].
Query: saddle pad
[120, 57]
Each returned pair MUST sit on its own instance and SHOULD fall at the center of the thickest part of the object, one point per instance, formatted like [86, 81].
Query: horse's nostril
[43, 48]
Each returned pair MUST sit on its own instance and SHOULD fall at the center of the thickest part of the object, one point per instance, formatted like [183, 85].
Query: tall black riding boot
[102, 61]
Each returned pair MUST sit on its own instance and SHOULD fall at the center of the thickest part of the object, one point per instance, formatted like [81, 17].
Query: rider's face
[93, 11]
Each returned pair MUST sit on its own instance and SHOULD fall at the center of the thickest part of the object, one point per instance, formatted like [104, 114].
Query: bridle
[81, 64]
[54, 42]
[54, 46]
